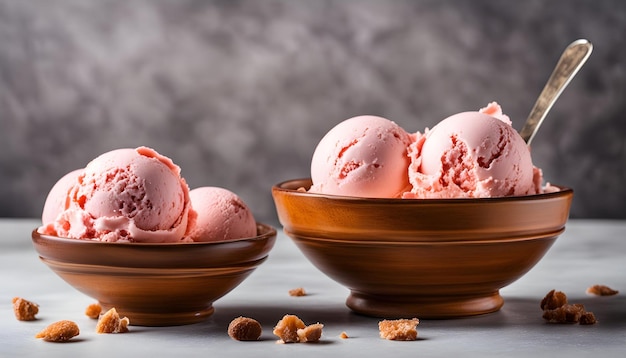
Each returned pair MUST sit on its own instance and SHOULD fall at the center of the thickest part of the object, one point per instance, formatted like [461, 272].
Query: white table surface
[589, 252]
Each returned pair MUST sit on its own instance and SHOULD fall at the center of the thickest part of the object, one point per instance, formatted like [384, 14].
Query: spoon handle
[570, 62]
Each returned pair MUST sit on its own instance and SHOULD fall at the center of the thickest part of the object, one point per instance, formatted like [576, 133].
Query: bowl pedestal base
[424, 307]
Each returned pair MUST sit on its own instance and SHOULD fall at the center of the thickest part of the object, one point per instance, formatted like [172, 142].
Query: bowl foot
[163, 317]
[424, 307]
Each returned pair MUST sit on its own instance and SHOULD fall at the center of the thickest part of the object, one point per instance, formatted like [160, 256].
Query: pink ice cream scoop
[472, 154]
[218, 215]
[362, 156]
[57, 197]
[133, 195]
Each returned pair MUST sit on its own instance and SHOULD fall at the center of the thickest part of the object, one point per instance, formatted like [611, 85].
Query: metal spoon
[570, 62]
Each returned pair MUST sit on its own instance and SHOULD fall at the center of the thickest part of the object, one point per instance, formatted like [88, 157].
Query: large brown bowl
[429, 258]
[156, 284]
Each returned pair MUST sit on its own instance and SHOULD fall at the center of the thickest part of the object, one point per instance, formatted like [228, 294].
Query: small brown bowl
[426, 258]
[156, 284]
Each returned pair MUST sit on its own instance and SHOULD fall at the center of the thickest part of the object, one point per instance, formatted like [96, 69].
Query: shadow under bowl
[428, 258]
[156, 284]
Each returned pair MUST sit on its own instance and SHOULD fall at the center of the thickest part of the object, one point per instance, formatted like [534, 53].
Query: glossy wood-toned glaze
[156, 284]
[428, 258]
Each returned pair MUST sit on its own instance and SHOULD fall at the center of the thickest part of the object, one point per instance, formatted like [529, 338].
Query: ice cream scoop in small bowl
[426, 258]
[156, 284]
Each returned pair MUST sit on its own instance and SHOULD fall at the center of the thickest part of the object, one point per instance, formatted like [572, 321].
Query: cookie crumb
[343, 335]
[297, 292]
[553, 300]
[93, 310]
[24, 310]
[601, 290]
[399, 329]
[291, 329]
[565, 314]
[557, 310]
[588, 318]
[310, 334]
[110, 322]
[287, 328]
[61, 331]
[244, 329]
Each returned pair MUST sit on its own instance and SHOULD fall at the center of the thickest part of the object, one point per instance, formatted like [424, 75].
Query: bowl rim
[228, 253]
[265, 230]
[286, 187]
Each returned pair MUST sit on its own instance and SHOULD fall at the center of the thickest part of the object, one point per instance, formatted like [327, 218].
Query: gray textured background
[238, 93]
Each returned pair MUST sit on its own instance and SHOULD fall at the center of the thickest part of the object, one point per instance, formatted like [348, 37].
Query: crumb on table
[587, 318]
[24, 310]
[554, 299]
[291, 329]
[110, 322]
[297, 292]
[557, 310]
[93, 310]
[399, 329]
[60, 331]
[601, 290]
[244, 329]
[311, 333]
[287, 328]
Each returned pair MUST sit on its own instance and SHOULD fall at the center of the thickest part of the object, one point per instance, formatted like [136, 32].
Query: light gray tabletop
[589, 252]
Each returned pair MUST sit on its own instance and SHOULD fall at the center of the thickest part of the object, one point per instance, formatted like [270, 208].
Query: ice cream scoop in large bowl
[429, 258]
[156, 284]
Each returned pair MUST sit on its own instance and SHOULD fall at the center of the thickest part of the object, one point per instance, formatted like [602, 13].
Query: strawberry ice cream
[468, 155]
[362, 156]
[138, 195]
[133, 195]
[219, 215]
[472, 154]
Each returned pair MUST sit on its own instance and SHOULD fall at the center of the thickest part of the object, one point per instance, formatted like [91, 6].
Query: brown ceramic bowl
[156, 284]
[426, 258]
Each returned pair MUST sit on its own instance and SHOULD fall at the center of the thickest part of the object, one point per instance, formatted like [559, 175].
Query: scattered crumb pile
[64, 330]
[556, 309]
